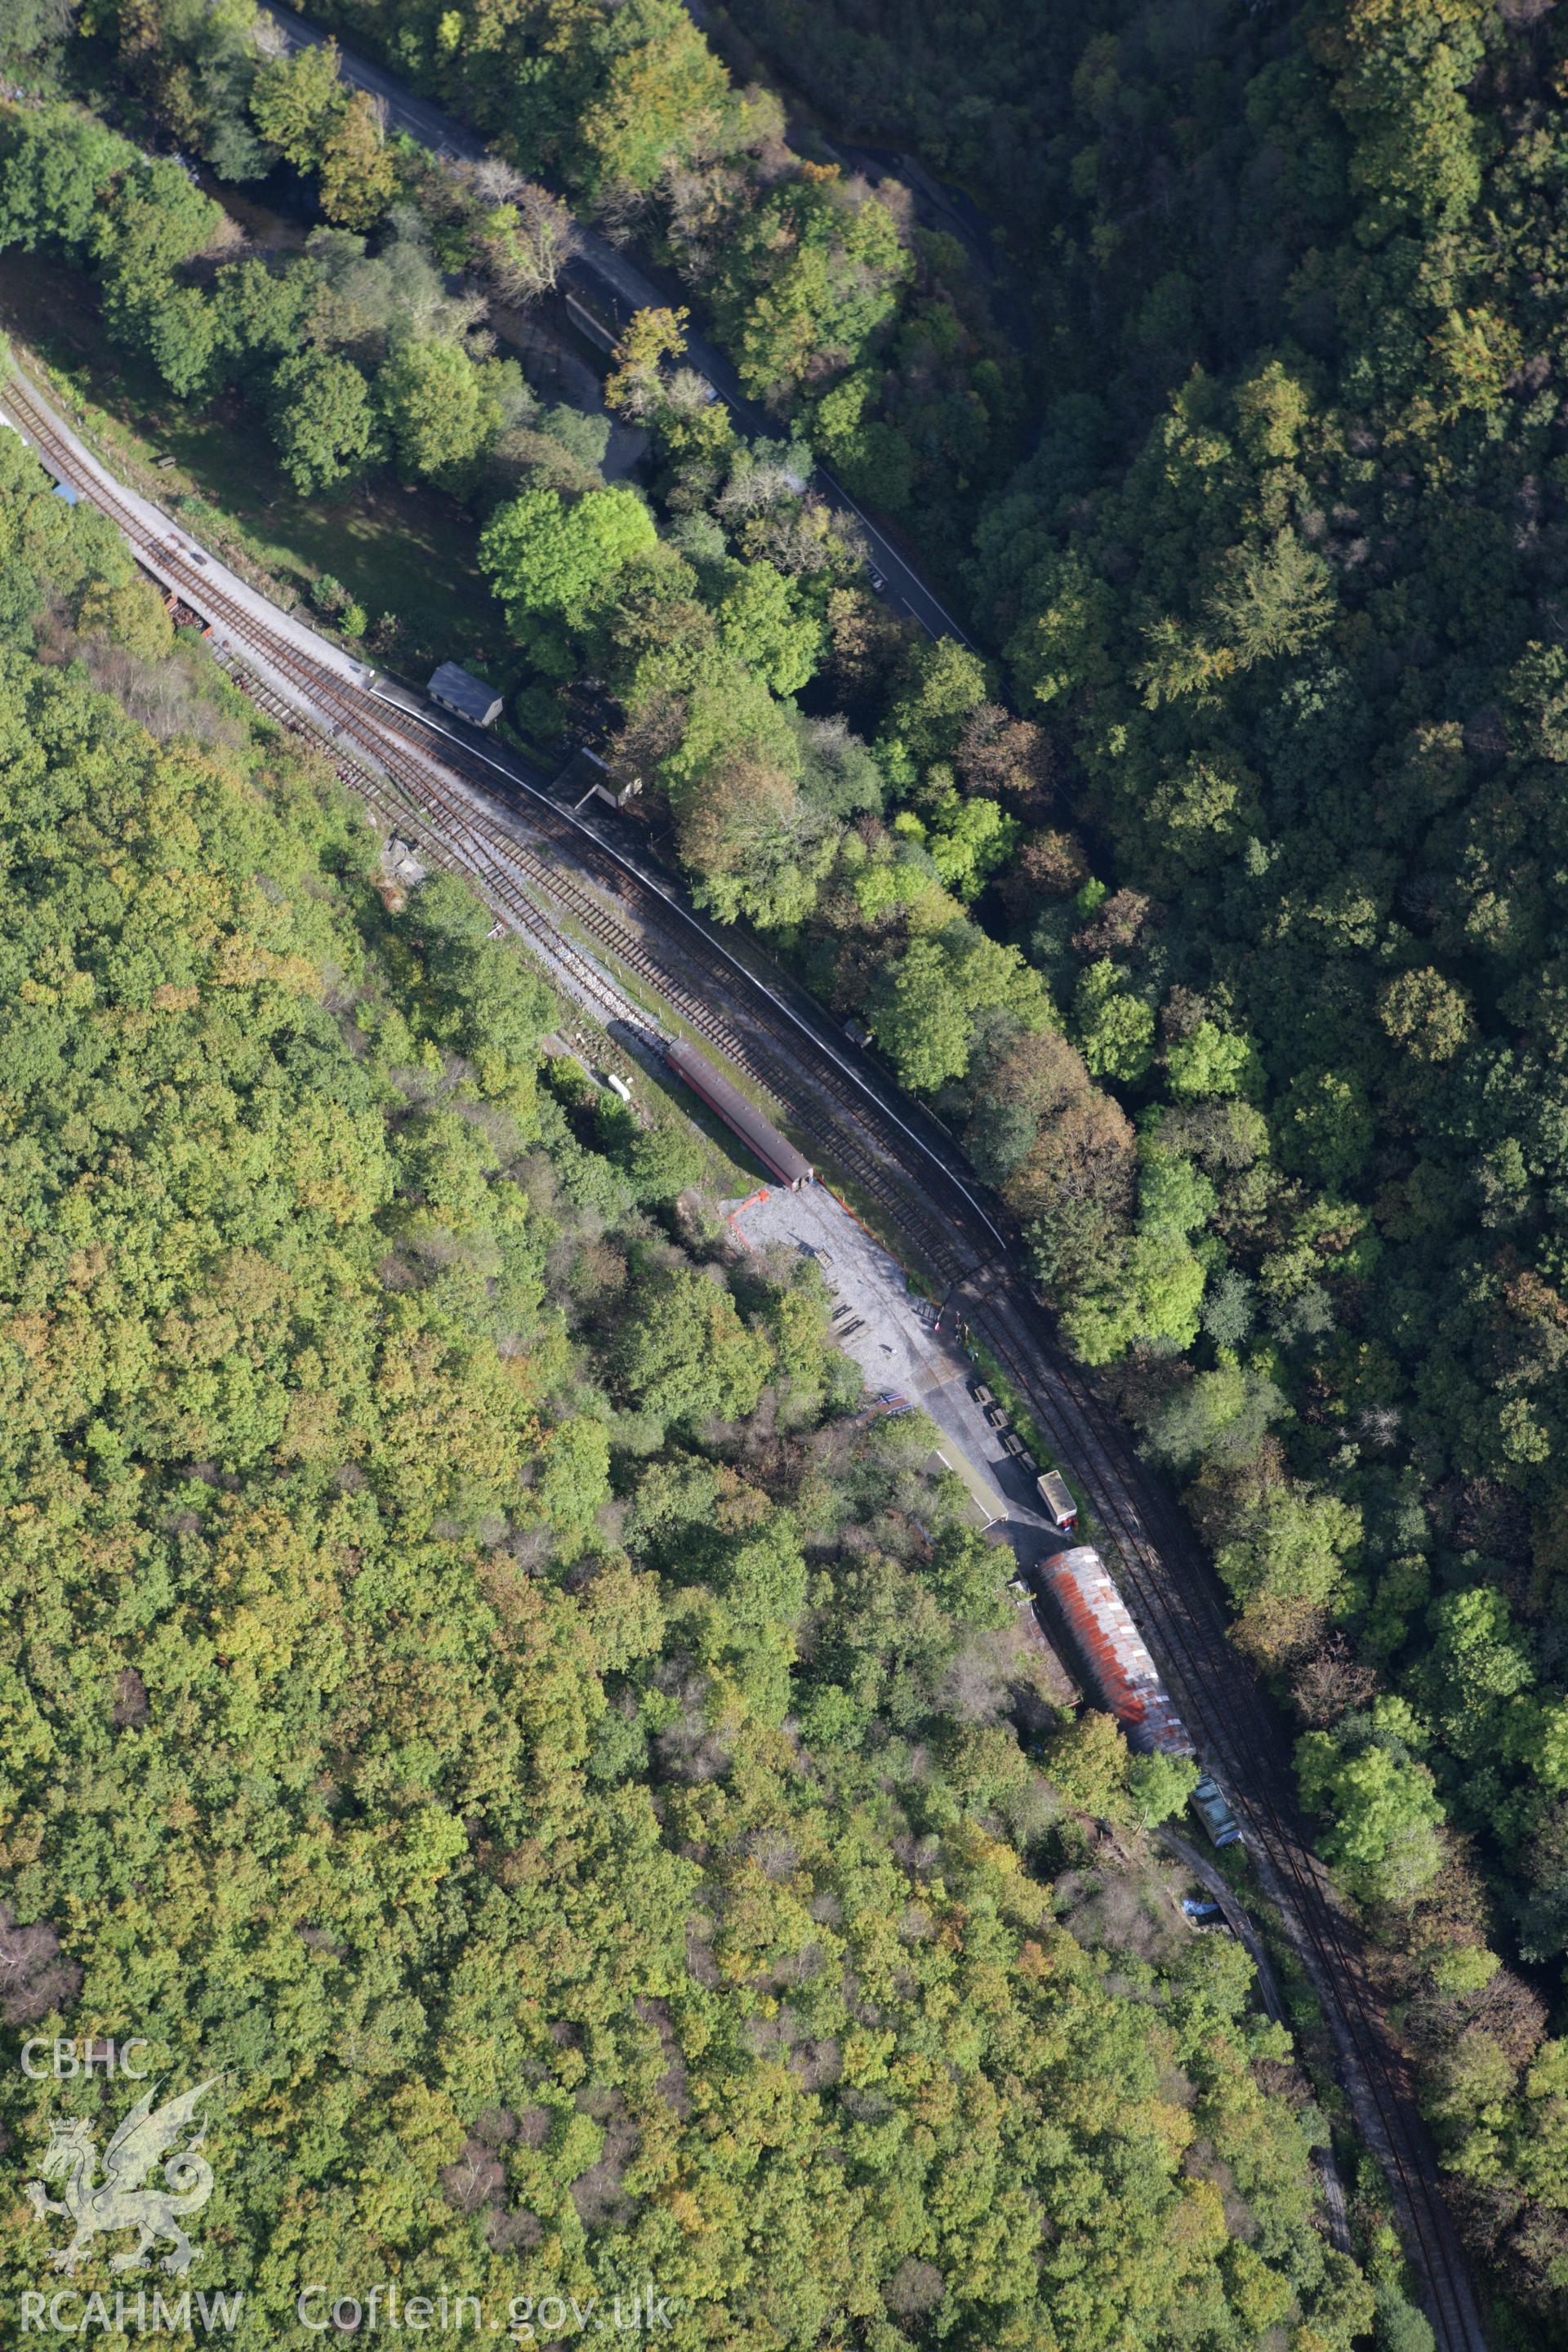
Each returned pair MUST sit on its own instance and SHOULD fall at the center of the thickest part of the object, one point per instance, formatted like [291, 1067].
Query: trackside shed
[458, 689]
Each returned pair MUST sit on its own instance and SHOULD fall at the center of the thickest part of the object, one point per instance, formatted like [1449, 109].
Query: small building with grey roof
[471, 698]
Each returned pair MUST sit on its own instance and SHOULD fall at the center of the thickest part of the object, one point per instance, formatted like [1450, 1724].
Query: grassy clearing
[744, 1174]
[409, 554]
[660, 1099]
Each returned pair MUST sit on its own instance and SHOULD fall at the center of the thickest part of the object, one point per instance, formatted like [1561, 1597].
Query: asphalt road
[609, 289]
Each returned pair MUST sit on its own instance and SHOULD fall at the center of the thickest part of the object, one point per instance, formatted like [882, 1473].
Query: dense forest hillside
[1219, 900]
[474, 1679]
[1283, 581]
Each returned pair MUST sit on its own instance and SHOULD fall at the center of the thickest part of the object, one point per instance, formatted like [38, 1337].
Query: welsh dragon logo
[121, 2200]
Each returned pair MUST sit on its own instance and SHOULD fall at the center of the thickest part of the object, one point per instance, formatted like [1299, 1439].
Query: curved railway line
[902, 1163]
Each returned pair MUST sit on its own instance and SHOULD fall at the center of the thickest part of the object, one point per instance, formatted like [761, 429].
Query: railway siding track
[460, 849]
[411, 768]
[1182, 1621]
[454, 785]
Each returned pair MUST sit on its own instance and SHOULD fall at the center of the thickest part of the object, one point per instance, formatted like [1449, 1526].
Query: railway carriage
[776, 1153]
[1112, 1651]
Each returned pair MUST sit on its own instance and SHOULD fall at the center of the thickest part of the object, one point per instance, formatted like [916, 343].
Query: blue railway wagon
[776, 1153]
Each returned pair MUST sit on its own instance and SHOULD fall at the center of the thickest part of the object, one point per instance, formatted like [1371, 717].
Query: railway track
[414, 769]
[1175, 1599]
[421, 759]
[460, 852]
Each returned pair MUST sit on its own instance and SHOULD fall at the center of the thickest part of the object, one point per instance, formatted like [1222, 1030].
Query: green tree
[684, 1352]
[1158, 1786]
[1326, 1126]
[760, 622]
[34, 24]
[1401, 2326]
[813, 272]
[969, 841]
[1542, 2149]
[1219, 1417]
[1200, 813]
[1210, 1060]
[1089, 1764]
[1293, 1543]
[1278, 601]
[131, 614]
[152, 221]
[544, 556]
[358, 170]
[177, 329]
[1476, 1674]
[295, 101]
[947, 683]
[56, 166]
[261, 316]
[743, 828]
[1383, 1817]
[1061, 645]
[870, 457]
[1425, 1015]
[661, 1161]
[440, 409]
[1402, 92]
[661, 91]
[574, 1482]
[486, 997]
[323, 420]
[926, 1005]
[1115, 1028]
[1273, 409]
